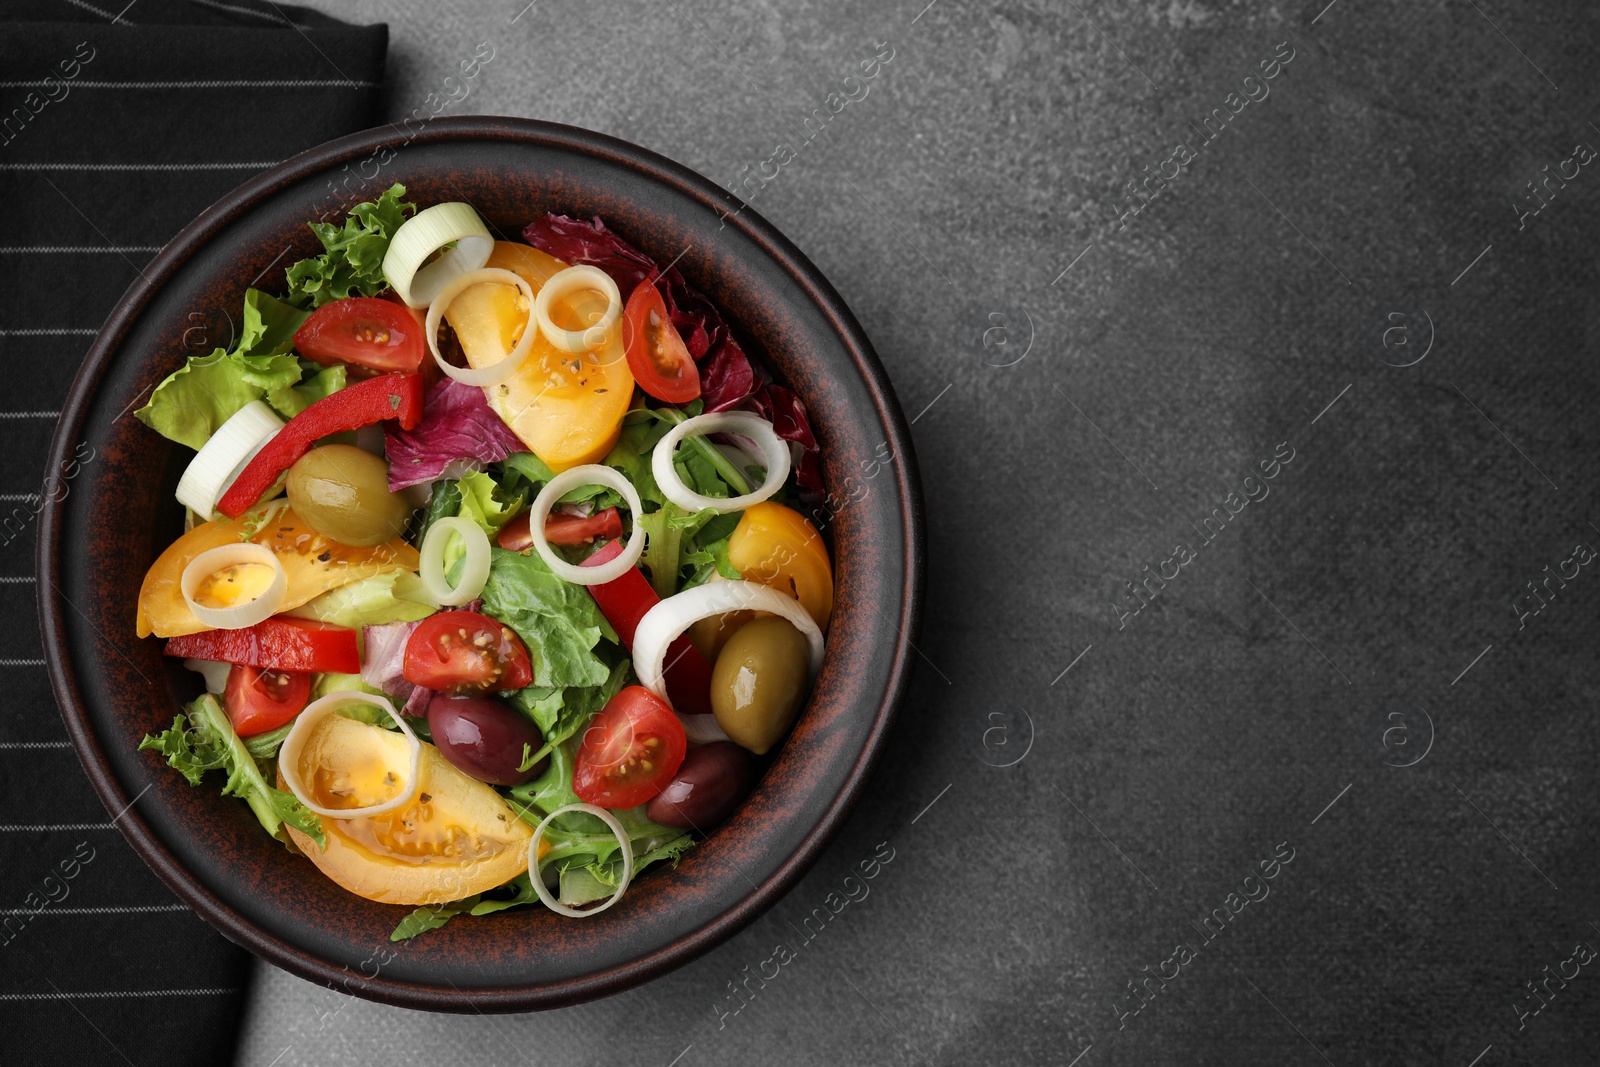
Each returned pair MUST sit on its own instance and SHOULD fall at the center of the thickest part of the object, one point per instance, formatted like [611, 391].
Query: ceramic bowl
[118, 514]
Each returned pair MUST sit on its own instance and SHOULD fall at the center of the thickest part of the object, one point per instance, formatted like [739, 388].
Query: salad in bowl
[496, 563]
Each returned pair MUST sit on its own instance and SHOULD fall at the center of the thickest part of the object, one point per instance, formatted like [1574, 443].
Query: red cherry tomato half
[561, 529]
[657, 356]
[260, 700]
[368, 335]
[630, 752]
[463, 652]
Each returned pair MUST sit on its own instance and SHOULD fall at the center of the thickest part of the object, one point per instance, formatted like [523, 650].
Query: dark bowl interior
[119, 514]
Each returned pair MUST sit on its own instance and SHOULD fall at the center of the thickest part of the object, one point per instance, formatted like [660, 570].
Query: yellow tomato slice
[312, 563]
[776, 546]
[566, 408]
[456, 838]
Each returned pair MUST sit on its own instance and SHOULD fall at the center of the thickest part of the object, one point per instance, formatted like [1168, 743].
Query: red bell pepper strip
[278, 644]
[389, 396]
[560, 529]
[624, 601]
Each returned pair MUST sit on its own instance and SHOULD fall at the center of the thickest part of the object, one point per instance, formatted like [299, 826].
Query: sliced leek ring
[564, 283]
[306, 723]
[238, 616]
[229, 451]
[495, 373]
[425, 233]
[672, 616]
[474, 573]
[774, 456]
[561, 485]
[542, 891]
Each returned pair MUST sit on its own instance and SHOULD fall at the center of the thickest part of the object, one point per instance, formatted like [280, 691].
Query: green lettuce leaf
[317, 383]
[486, 503]
[198, 397]
[560, 713]
[558, 622]
[269, 325]
[205, 741]
[396, 596]
[352, 261]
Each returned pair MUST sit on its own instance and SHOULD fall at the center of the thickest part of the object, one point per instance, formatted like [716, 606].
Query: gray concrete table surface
[1371, 675]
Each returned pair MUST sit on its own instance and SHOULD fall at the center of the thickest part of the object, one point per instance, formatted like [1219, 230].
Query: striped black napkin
[119, 122]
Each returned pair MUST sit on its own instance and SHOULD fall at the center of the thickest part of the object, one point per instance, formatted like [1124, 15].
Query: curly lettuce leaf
[352, 260]
[486, 503]
[205, 741]
[197, 398]
[269, 325]
[558, 622]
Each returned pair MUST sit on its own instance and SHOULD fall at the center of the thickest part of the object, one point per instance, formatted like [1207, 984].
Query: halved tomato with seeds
[463, 652]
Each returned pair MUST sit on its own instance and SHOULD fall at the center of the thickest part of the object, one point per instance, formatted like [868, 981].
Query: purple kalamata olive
[711, 782]
[484, 738]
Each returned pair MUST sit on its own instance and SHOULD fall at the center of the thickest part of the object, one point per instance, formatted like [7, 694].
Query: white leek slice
[774, 456]
[663, 623]
[474, 571]
[702, 729]
[221, 459]
[305, 725]
[495, 373]
[215, 673]
[563, 284]
[543, 891]
[236, 616]
[560, 486]
[427, 232]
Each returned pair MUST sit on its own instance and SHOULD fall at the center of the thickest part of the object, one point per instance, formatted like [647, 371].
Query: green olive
[758, 682]
[343, 493]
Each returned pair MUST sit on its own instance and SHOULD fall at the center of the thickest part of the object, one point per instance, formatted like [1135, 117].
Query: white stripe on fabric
[103, 14]
[21, 663]
[110, 909]
[51, 331]
[236, 9]
[50, 826]
[29, 415]
[58, 250]
[23, 746]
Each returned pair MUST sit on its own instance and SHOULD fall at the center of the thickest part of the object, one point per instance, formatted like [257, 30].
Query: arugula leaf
[529, 467]
[712, 559]
[444, 503]
[206, 741]
[558, 622]
[352, 260]
[430, 917]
